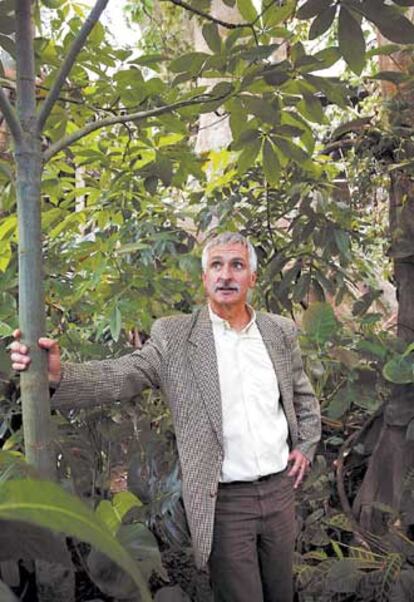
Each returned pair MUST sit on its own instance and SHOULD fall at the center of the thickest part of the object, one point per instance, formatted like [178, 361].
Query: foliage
[122, 209]
[332, 562]
[47, 505]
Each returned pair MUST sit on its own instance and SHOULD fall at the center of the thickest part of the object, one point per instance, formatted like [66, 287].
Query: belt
[265, 477]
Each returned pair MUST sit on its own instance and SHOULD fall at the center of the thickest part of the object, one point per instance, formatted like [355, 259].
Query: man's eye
[215, 265]
[238, 265]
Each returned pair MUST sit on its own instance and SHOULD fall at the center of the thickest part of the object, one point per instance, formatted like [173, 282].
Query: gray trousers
[253, 543]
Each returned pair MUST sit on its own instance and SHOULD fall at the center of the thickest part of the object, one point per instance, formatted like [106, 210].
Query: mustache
[227, 287]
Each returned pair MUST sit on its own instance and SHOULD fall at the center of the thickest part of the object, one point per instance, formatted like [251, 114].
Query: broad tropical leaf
[47, 505]
[319, 322]
[351, 40]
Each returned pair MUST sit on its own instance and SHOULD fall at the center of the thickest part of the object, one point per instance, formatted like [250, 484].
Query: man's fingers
[299, 466]
[47, 343]
[18, 347]
[300, 475]
[295, 466]
[20, 362]
[17, 333]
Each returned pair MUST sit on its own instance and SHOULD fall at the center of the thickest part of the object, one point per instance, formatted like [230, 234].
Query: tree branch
[10, 116]
[140, 116]
[201, 13]
[220, 22]
[67, 64]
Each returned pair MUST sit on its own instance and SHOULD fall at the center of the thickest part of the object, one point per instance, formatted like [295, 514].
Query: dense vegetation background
[289, 121]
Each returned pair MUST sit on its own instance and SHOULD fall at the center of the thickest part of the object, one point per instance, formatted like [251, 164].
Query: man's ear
[253, 279]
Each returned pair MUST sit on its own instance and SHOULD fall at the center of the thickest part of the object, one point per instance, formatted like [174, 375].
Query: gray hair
[227, 238]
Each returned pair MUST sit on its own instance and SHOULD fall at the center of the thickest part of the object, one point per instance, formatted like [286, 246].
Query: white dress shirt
[255, 428]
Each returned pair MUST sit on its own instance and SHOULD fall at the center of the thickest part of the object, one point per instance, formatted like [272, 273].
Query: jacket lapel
[279, 352]
[203, 361]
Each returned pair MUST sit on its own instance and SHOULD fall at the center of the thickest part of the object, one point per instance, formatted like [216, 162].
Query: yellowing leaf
[5, 256]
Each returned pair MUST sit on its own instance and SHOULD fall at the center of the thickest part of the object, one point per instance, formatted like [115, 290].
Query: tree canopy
[105, 197]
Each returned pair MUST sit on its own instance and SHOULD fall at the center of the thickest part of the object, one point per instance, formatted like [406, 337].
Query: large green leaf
[262, 109]
[7, 25]
[351, 40]
[115, 323]
[271, 164]
[14, 466]
[8, 45]
[20, 541]
[248, 156]
[112, 512]
[322, 22]
[212, 36]
[6, 7]
[389, 20]
[341, 403]
[396, 77]
[344, 576]
[310, 107]
[191, 62]
[143, 547]
[319, 322]
[399, 370]
[334, 90]
[53, 3]
[278, 13]
[290, 150]
[311, 8]
[247, 10]
[47, 505]
[278, 74]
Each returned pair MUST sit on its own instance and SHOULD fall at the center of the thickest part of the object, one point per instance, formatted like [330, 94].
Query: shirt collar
[224, 324]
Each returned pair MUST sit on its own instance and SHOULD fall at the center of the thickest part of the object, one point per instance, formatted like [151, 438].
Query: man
[246, 421]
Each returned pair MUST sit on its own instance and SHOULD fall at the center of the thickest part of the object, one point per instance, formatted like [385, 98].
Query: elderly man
[246, 421]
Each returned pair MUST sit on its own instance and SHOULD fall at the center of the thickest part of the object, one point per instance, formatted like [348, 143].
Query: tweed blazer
[180, 358]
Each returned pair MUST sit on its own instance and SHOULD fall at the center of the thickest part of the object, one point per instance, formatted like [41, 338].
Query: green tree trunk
[28, 157]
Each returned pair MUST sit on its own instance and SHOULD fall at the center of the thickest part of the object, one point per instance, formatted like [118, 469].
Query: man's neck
[237, 316]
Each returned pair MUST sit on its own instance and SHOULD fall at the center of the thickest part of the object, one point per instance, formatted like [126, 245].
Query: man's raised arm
[95, 382]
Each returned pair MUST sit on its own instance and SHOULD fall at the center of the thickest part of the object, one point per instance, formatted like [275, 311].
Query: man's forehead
[228, 250]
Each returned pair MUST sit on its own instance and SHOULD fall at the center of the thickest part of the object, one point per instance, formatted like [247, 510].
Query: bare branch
[220, 22]
[67, 64]
[10, 116]
[133, 117]
[201, 13]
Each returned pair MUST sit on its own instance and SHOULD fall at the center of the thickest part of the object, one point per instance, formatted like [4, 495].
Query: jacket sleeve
[98, 382]
[306, 405]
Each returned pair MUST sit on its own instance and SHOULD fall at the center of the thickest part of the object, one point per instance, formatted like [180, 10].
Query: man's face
[228, 276]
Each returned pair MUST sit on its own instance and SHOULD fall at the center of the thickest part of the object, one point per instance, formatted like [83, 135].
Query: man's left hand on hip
[299, 465]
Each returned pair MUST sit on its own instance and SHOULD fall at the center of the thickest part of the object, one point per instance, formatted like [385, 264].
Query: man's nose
[225, 272]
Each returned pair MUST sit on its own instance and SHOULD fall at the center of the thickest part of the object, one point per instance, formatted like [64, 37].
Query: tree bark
[393, 456]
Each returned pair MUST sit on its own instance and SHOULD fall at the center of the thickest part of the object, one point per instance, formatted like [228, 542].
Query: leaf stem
[67, 64]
